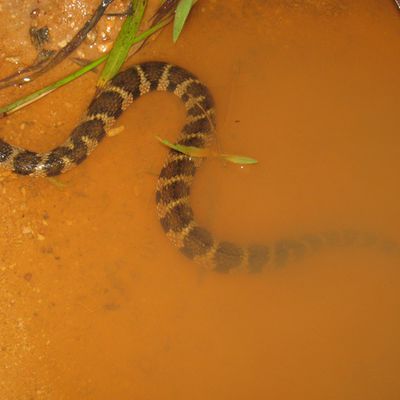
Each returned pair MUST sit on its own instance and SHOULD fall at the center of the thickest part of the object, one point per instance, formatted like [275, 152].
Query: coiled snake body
[173, 186]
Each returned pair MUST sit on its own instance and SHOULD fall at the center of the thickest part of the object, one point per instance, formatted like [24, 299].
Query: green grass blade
[8, 109]
[182, 11]
[188, 150]
[242, 160]
[123, 42]
[24, 101]
[192, 151]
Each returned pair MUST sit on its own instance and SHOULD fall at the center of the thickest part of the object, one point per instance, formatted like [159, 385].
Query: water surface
[96, 304]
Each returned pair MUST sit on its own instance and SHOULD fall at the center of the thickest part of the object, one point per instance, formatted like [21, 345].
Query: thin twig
[28, 74]
[164, 10]
[162, 15]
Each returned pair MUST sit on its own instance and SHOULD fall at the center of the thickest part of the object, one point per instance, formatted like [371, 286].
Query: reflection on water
[96, 304]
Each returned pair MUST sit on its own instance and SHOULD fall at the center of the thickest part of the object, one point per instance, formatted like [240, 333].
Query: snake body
[174, 182]
[176, 176]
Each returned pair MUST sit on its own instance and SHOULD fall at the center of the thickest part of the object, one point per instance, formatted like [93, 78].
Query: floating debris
[39, 36]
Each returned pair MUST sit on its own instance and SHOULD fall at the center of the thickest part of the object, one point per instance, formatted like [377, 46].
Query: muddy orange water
[94, 301]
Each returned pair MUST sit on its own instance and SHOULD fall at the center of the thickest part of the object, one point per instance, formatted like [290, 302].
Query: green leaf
[123, 42]
[182, 11]
[243, 160]
[192, 151]
[188, 150]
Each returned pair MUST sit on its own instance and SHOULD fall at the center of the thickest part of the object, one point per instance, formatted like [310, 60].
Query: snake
[173, 187]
